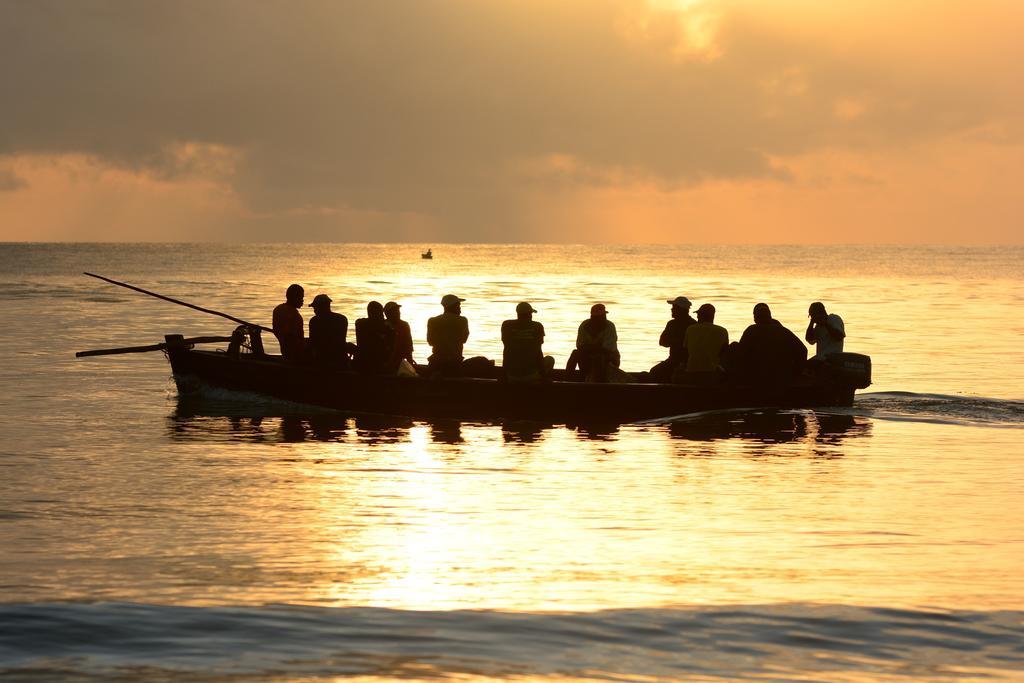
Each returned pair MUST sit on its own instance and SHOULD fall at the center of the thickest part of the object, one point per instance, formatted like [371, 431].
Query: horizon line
[516, 244]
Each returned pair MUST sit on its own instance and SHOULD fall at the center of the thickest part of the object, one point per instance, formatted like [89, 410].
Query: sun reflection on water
[769, 506]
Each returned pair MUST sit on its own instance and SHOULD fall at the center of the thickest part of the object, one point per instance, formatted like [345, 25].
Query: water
[148, 536]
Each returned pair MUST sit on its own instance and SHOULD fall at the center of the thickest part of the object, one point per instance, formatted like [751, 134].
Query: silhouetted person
[704, 342]
[673, 337]
[447, 334]
[375, 340]
[288, 327]
[825, 331]
[327, 334]
[596, 346]
[523, 360]
[402, 349]
[772, 356]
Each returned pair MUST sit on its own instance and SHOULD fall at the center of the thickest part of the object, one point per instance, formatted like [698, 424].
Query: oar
[151, 347]
[177, 301]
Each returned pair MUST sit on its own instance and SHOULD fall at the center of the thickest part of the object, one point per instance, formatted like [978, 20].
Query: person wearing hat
[403, 335]
[672, 338]
[327, 333]
[447, 334]
[596, 346]
[375, 340]
[288, 326]
[704, 342]
[522, 359]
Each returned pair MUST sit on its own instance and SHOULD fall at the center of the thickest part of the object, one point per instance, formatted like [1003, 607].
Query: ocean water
[150, 536]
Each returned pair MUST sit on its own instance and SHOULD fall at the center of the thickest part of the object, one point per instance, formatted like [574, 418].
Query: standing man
[673, 337]
[523, 360]
[704, 343]
[596, 346]
[403, 335]
[327, 333]
[288, 326]
[825, 331]
[447, 334]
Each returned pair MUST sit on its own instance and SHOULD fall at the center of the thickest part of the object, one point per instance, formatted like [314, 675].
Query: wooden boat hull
[488, 399]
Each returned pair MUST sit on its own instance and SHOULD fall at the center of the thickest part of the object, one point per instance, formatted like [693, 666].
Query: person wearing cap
[704, 342]
[288, 326]
[771, 355]
[327, 334]
[522, 359]
[596, 346]
[447, 334]
[672, 338]
[825, 330]
[402, 349]
[375, 340]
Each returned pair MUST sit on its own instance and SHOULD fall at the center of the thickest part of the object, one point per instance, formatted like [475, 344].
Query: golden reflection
[648, 518]
[756, 508]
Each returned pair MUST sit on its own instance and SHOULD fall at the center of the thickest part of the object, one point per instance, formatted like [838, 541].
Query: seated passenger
[523, 360]
[825, 331]
[596, 346]
[704, 342]
[327, 332]
[288, 327]
[374, 340]
[771, 355]
[447, 334]
[402, 349]
[672, 337]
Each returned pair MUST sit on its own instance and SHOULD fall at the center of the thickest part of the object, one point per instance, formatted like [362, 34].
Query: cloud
[449, 114]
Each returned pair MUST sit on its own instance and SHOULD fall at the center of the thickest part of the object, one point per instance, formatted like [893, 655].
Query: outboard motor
[852, 368]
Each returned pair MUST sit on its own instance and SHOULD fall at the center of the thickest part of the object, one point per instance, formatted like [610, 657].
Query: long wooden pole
[177, 301]
[150, 347]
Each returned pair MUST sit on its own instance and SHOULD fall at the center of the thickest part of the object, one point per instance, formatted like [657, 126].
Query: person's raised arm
[465, 330]
[810, 332]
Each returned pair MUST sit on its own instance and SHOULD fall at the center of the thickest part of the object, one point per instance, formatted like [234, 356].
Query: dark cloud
[431, 109]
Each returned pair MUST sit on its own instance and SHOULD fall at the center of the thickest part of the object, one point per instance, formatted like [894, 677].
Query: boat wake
[105, 641]
[900, 406]
[937, 408]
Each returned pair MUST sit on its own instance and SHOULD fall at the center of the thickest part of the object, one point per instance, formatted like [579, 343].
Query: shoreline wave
[737, 642]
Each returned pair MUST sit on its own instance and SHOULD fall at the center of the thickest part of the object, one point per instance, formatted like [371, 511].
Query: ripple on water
[753, 642]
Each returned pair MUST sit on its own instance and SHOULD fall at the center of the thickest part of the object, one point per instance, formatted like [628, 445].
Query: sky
[579, 121]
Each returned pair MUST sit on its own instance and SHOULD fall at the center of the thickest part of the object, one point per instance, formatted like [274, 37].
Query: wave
[87, 641]
[900, 406]
[938, 408]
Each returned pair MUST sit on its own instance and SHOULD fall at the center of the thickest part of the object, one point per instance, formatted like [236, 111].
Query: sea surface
[222, 537]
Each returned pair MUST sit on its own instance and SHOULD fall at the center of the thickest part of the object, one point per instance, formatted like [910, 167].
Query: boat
[428, 254]
[563, 399]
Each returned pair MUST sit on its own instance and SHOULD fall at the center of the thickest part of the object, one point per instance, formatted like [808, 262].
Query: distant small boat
[428, 254]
